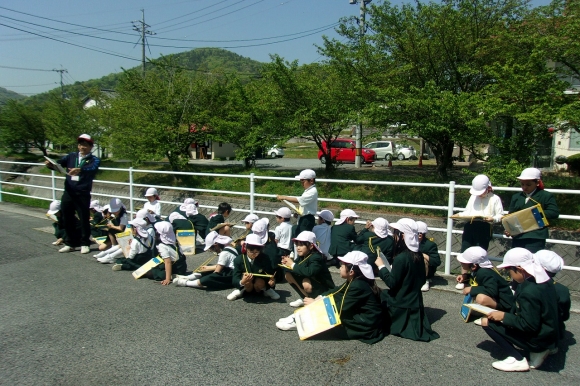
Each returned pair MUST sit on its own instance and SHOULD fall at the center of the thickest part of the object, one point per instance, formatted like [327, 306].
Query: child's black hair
[328, 222]
[400, 246]
[224, 207]
[358, 275]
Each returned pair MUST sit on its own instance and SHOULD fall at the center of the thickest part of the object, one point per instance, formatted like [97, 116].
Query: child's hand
[287, 261]
[272, 282]
[507, 233]
[488, 219]
[459, 279]
[466, 290]
[307, 301]
[496, 316]
[166, 282]
[247, 278]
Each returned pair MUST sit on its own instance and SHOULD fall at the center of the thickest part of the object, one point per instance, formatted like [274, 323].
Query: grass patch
[34, 202]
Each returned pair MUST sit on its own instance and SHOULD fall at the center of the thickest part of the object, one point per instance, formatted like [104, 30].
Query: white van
[384, 149]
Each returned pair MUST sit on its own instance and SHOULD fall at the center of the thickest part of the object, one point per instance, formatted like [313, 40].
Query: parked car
[275, 152]
[405, 152]
[343, 150]
[384, 149]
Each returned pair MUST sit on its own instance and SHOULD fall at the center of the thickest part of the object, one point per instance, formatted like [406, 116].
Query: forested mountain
[201, 60]
[7, 94]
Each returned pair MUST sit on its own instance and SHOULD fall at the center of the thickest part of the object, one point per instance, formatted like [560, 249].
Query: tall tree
[21, 126]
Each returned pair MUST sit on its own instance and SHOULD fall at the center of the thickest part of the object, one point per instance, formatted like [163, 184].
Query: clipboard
[293, 207]
[525, 220]
[186, 239]
[383, 258]
[124, 240]
[101, 240]
[220, 226]
[148, 266]
[285, 266]
[56, 165]
[319, 316]
[465, 311]
[479, 308]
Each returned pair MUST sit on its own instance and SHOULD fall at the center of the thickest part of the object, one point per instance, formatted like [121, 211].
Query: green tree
[21, 126]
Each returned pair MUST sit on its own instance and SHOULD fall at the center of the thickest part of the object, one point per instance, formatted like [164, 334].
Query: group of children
[400, 254]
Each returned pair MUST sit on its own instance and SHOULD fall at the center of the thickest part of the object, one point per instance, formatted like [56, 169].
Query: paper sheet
[56, 165]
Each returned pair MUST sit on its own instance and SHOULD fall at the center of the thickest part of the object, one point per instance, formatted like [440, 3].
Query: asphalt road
[67, 320]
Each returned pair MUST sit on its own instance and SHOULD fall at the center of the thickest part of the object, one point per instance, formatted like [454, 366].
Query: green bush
[574, 163]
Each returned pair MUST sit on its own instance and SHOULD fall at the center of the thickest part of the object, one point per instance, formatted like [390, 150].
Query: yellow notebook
[525, 220]
[124, 241]
[186, 239]
[293, 207]
[154, 262]
[319, 316]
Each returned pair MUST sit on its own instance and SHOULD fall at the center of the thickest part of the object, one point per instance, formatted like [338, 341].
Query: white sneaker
[460, 286]
[510, 364]
[288, 319]
[236, 294]
[426, 286]
[101, 254]
[107, 259]
[297, 303]
[477, 322]
[66, 248]
[271, 294]
[85, 249]
[537, 358]
[180, 282]
[117, 267]
[286, 326]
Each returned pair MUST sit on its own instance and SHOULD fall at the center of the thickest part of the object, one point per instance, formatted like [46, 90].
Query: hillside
[200, 60]
[7, 94]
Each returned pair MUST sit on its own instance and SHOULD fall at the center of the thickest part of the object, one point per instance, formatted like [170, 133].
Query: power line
[22, 68]
[191, 13]
[30, 85]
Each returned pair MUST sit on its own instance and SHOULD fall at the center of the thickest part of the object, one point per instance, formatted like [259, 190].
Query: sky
[91, 39]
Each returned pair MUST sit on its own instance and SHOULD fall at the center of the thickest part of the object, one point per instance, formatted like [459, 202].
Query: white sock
[117, 253]
[194, 284]
[193, 276]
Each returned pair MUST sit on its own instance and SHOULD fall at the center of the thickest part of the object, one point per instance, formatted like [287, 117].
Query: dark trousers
[532, 245]
[78, 203]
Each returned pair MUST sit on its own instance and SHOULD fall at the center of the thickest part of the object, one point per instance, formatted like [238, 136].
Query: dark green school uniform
[532, 322]
[98, 223]
[179, 267]
[58, 226]
[489, 282]
[312, 267]
[564, 304]
[220, 280]
[243, 264]
[360, 312]
[116, 222]
[368, 242]
[428, 247]
[200, 223]
[215, 220]
[141, 258]
[271, 250]
[404, 298]
[533, 241]
[342, 238]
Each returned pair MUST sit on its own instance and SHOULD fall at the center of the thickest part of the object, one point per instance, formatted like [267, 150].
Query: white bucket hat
[189, 207]
[307, 236]
[326, 215]
[530, 174]
[210, 240]
[260, 229]
[115, 205]
[96, 205]
[283, 212]
[381, 227]
[165, 231]
[475, 255]
[251, 218]
[144, 213]
[422, 227]
[521, 257]
[253, 239]
[550, 261]
[306, 174]
[479, 185]
[54, 207]
[409, 229]
[140, 226]
[151, 192]
[359, 259]
[344, 215]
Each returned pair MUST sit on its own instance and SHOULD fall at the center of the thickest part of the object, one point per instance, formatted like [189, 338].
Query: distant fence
[252, 195]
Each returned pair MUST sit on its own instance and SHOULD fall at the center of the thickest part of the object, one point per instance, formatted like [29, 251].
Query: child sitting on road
[373, 237]
[214, 277]
[217, 221]
[488, 287]
[248, 221]
[322, 231]
[430, 253]
[174, 261]
[343, 235]
[117, 223]
[142, 247]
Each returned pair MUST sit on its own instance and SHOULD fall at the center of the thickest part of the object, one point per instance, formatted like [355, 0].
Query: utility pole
[142, 27]
[362, 30]
[61, 82]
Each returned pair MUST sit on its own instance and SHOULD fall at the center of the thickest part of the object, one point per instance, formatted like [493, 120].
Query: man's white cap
[549, 260]
[409, 229]
[251, 218]
[530, 174]
[306, 174]
[144, 214]
[475, 255]
[253, 239]
[54, 207]
[151, 192]
[479, 185]
[309, 237]
[115, 205]
[140, 226]
[381, 227]
[344, 215]
[421, 227]
[521, 257]
[283, 212]
[326, 215]
[359, 259]
[85, 137]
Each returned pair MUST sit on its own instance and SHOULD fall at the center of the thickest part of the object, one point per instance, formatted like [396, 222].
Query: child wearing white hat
[253, 272]
[215, 277]
[117, 222]
[533, 193]
[485, 208]
[248, 222]
[153, 205]
[54, 214]
[357, 300]
[488, 287]
[407, 276]
[322, 231]
[430, 253]
[283, 232]
[373, 237]
[532, 322]
[343, 235]
[308, 201]
[142, 247]
[552, 264]
[97, 219]
[174, 261]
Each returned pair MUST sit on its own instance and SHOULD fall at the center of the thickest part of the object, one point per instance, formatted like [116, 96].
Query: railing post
[449, 240]
[0, 186]
[53, 182]
[131, 191]
[252, 191]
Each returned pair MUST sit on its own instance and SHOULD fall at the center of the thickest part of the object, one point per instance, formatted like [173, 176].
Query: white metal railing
[252, 195]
